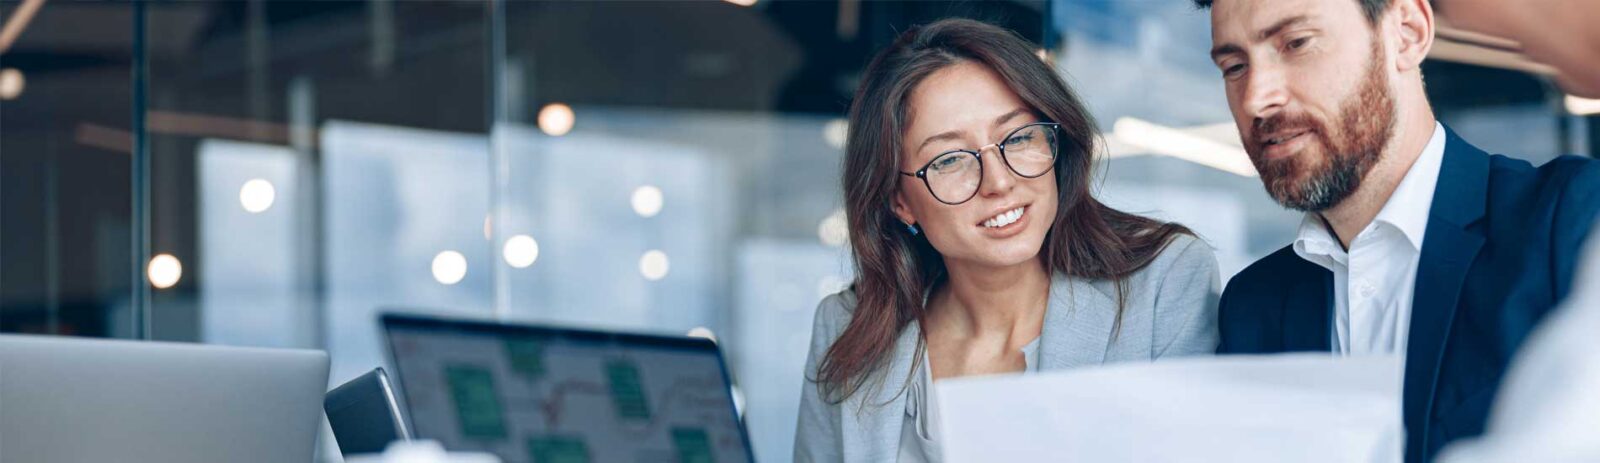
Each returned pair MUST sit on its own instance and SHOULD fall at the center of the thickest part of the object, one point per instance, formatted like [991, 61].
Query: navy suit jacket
[1502, 241]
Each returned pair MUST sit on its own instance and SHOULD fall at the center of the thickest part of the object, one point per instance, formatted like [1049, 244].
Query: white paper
[1298, 407]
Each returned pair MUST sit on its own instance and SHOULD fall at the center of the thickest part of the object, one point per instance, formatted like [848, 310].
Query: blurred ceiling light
[1167, 141]
[103, 137]
[164, 271]
[17, 22]
[848, 24]
[197, 125]
[702, 332]
[206, 125]
[11, 83]
[521, 251]
[834, 229]
[653, 265]
[556, 119]
[1582, 106]
[647, 201]
[742, 2]
[449, 267]
[257, 195]
[835, 132]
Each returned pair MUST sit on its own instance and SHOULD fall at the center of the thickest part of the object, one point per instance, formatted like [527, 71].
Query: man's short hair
[1373, 8]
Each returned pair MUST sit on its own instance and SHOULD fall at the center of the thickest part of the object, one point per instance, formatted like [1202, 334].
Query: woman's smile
[1007, 223]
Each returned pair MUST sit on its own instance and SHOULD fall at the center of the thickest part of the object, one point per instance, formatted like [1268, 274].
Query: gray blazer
[1171, 311]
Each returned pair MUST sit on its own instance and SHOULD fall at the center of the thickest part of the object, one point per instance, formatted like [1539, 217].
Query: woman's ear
[901, 209]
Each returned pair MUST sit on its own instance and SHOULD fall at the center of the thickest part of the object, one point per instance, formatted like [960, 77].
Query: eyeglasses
[954, 176]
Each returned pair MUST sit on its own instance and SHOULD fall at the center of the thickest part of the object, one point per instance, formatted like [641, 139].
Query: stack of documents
[1298, 407]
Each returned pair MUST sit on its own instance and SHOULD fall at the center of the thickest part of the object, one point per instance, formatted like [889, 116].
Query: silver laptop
[95, 400]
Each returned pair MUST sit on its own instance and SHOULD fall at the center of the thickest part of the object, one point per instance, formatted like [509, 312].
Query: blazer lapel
[1448, 249]
[1077, 324]
[873, 433]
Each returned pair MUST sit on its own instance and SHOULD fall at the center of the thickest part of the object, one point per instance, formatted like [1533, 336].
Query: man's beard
[1314, 181]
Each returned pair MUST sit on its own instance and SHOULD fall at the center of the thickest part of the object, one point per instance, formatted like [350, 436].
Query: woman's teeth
[1005, 218]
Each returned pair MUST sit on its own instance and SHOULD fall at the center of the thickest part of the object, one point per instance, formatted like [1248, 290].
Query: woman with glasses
[979, 249]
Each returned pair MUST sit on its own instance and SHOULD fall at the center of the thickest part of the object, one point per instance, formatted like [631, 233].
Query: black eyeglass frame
[1055, 134]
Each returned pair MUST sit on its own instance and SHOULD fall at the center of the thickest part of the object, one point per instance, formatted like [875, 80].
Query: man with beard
[1414, 242]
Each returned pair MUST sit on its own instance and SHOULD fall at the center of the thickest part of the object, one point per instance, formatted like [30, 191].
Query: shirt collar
[1408, 207]
[1313, 242]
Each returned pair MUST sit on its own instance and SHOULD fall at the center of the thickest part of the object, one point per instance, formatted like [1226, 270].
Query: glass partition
[277, 173]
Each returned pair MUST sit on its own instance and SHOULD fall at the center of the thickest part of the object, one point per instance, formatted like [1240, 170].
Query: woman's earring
[912, 228]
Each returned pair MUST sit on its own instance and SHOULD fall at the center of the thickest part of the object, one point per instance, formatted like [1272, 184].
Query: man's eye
[1232, 70]
[1299, 43]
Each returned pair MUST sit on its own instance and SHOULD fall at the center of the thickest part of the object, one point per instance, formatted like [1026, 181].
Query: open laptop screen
[536, 394]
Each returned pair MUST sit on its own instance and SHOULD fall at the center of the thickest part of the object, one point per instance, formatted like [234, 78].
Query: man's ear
[1414, 28]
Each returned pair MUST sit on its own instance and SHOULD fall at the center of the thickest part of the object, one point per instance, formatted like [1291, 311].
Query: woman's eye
[1019, 139]
[946, 163]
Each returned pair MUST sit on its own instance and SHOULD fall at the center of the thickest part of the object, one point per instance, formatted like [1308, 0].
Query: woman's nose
[998, 177]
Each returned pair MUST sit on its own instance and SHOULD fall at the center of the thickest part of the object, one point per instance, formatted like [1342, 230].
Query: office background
[275, 173]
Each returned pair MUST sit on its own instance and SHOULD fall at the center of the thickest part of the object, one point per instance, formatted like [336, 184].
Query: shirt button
[1366, 289]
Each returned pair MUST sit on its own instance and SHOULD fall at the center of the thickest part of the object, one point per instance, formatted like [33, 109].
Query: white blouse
[919, 433]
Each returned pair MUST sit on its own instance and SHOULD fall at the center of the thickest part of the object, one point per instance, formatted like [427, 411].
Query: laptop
[77, 399]
[364, 414]
[529, 393]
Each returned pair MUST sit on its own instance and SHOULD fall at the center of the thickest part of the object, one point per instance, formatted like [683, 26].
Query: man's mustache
[1268, 127]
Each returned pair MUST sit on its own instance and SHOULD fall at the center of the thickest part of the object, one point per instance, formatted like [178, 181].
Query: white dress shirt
[1374, 280]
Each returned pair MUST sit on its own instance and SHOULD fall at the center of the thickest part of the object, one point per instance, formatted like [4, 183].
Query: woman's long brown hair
[895, 269]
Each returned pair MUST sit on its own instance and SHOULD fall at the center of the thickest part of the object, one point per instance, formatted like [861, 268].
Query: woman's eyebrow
[956, 134]
[1009, 116]
[945, 136]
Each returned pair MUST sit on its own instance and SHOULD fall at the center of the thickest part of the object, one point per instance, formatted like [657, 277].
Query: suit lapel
[1077, 324]
[874, 434]
[1449, 247]
[1306, 313]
